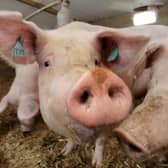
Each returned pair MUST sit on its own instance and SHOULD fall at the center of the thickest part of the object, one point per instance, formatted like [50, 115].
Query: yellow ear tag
[18, 49]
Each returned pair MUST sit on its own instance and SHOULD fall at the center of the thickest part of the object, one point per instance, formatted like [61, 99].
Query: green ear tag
[114, 54]
[31, 107]
[18, 49]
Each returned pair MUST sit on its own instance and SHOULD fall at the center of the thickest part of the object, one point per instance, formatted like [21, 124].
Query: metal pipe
[51, 4]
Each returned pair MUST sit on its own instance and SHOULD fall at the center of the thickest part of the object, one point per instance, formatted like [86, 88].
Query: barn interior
[41, 148]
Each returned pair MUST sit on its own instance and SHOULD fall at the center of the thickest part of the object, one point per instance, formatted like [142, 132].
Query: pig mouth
[132, 148]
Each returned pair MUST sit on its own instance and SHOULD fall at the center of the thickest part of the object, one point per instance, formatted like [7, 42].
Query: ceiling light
[145, 17]
[146, 11]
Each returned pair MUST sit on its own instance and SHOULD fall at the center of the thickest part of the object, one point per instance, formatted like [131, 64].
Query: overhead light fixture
[146, 11]
[145, 17]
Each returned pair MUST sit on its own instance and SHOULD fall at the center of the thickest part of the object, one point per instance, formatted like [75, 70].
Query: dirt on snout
[41, 148]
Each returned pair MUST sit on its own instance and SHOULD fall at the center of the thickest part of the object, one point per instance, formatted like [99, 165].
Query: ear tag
[18, 49]
[114, 54]
[31, 107]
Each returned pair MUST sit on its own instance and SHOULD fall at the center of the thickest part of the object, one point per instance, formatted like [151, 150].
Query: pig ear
[118, 49]
[19, 40]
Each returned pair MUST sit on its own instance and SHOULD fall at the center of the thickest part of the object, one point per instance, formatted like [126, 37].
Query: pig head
[142, 63]
[78, 95]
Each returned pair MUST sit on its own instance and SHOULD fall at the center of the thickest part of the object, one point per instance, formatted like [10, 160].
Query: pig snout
[144, 132]
[99, 98]
[129, 144]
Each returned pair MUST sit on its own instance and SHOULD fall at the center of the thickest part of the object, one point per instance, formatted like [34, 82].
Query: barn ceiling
[84, 10]
[92, 10]
[98, 9]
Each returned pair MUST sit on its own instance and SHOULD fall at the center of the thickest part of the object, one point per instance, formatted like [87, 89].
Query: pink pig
[79, 97]
[24, 94]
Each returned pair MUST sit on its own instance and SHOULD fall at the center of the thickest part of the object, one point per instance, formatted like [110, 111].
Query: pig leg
[27, 111]
[99, 148]
[71, 144]
[3, 104]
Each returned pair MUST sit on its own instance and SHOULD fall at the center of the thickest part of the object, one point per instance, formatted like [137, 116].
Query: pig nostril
[114, 91]
[84, 97]
[127, 144]
[110, 93]
[134, 148]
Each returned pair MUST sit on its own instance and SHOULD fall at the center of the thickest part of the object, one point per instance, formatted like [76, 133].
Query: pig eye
[46, 63]
[97, 63]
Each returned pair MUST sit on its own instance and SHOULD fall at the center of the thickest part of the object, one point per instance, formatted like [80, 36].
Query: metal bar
[38, 5]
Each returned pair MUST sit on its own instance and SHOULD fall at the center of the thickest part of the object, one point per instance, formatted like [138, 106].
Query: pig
[79, 97]
[142, 63]
[144, 132]
[24, 95]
